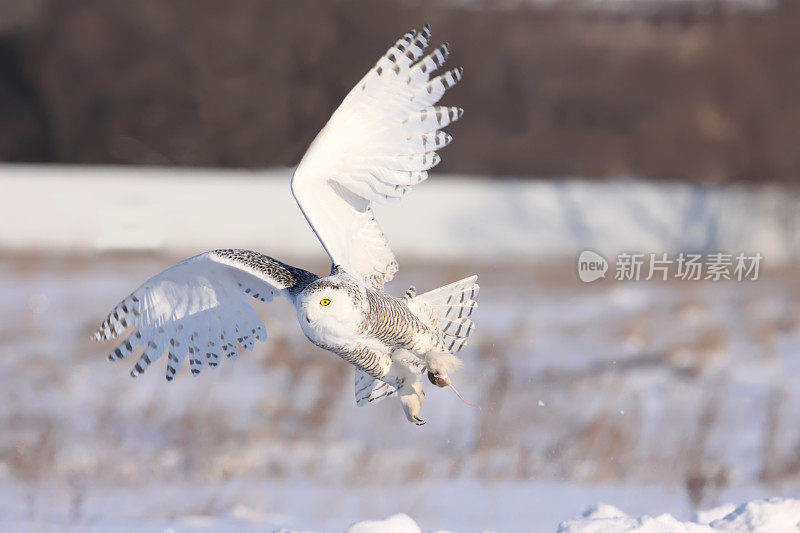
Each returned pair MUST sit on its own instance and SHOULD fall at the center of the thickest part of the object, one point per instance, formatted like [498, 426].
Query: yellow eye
[324, 302]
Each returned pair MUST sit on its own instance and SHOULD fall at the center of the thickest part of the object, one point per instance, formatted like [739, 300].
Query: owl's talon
[411, 400]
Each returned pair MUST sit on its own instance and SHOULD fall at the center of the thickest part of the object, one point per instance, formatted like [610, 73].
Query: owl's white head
[330, 306]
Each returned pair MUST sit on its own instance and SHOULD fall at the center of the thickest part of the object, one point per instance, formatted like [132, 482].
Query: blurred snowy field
[653, 396]
[656, 397]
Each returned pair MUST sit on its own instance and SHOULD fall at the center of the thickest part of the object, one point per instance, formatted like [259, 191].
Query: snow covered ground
[94, 209]
[656, 397]
[774, 515]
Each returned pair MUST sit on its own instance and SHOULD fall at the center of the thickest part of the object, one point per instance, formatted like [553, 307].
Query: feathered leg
[409, 389]
[411, 398]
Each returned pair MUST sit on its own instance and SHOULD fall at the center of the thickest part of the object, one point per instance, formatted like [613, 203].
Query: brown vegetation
[699, 96]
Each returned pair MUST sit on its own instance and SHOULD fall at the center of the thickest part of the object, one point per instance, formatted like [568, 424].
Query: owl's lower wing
[369, 389]
[200, 306]
[379, 143]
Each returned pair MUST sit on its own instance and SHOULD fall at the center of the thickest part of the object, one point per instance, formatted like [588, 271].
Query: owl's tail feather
[447, 310]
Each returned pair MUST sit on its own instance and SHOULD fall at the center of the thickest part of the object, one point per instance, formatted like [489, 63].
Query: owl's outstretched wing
[200, 306]
[379, 143]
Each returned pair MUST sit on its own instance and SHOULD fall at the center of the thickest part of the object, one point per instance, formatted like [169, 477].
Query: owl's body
[376, 147]
[368, 322]
[382, 336]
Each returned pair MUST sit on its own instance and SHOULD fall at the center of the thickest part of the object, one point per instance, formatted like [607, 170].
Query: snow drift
[187, 210]
[774, 515]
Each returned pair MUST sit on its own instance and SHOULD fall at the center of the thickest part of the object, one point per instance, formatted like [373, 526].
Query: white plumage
[379, 143]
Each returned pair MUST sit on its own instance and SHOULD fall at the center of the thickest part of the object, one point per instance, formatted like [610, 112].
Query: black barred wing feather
[200, 307]
[447, 310]
[369, 389]
[380, 142]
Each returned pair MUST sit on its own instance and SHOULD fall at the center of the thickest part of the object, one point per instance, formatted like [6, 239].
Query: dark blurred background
[692, 90]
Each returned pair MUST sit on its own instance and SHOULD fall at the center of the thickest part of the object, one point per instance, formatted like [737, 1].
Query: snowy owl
[379, 143]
